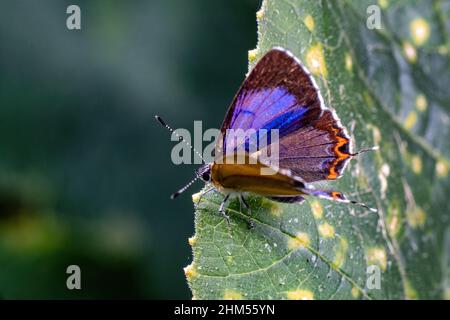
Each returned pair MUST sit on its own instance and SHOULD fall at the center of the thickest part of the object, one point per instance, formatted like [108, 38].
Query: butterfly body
[247, 177]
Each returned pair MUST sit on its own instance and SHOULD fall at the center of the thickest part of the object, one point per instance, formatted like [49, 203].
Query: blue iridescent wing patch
[279, 93]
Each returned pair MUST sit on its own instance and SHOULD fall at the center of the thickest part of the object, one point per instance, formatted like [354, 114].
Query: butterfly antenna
[176, 194]
[165, 125]
[365, 150]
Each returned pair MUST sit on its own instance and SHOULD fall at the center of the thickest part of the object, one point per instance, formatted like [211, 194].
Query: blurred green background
[85, 171]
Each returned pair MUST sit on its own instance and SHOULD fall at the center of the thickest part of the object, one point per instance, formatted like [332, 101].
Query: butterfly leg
[251, 223]
[201, 197]
[222, 211]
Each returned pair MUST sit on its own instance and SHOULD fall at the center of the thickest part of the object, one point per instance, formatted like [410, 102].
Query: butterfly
[279, 94]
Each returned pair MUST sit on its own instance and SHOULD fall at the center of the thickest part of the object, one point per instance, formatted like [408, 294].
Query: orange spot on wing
[333, 174]
[341, 156]
[337, 195]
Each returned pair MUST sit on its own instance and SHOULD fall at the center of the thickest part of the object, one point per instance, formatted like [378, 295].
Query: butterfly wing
[279, 93]
[318, 151]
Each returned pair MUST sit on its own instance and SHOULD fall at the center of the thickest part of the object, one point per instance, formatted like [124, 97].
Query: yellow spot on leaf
[232, 295]
[326, 230]
[317, 209]
[252, 54]
[309, 22]
[316, 61]
[410, 292]
[192, 241]
[420, 31]
[300, 295]
[383, 3]
[416, 164]
[410, 120]
[421, 103]
[410, 52]
[348, 62]
[355, 292]
[447, 294]
[416, 217]
[260, 14]
[196, 197]
[301, 240]
[276, 210]
[441, 169]
[393, 220]
[190, 271]
[340, 253]
[377, 256]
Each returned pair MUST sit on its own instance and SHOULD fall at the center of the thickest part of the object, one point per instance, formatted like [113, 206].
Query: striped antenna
[165, 125]
[176, 194]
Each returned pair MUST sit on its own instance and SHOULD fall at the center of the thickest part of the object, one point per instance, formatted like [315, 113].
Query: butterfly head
[204, 172]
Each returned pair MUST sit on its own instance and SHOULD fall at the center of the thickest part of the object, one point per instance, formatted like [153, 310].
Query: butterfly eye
[205, 176]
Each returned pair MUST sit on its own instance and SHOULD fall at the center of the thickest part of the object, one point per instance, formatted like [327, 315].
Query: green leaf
[389, 86]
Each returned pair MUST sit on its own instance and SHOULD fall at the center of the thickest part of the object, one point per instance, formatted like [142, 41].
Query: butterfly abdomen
[248, 177]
